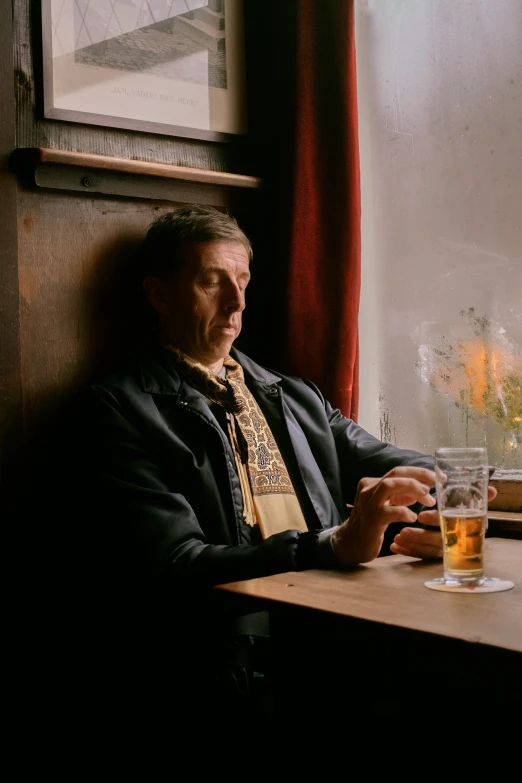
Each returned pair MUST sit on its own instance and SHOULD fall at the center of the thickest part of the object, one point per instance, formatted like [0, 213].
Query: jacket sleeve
[362, 455]
[359, 454]
[136, 522]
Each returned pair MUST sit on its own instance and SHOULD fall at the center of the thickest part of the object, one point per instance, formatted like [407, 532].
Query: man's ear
[156, 292]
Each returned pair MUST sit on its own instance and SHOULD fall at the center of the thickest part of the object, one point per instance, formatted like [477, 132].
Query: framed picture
[175, 67]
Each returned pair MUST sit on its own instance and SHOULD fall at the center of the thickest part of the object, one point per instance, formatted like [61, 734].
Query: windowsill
[508, 521]
[508, 484]
[505, 511]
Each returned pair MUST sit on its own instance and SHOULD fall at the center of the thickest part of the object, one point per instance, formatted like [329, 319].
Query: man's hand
[378, 503]
[427, 544]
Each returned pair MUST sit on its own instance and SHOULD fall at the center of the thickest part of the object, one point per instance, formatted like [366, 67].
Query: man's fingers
[403, 491]
[423, 475]
[424, 552]
[492, 493]
[429, 518]
[397, 514]
[417, 535]
[408, 500]
[418, 543]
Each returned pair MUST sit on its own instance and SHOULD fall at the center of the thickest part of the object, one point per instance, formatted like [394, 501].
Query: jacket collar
[254, 370]
[158, 374]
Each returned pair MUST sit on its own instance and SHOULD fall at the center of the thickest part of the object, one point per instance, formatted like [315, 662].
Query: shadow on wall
[113, 317]
[47, 536]
[115, 310]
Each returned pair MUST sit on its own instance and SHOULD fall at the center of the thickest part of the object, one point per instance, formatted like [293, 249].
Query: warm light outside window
[440, 121]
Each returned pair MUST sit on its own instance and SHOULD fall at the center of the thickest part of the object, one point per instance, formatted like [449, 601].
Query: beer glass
[462, 477]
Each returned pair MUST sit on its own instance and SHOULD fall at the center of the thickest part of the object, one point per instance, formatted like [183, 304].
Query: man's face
[201, 308]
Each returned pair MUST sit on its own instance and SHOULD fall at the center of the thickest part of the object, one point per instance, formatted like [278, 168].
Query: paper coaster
[490, 586]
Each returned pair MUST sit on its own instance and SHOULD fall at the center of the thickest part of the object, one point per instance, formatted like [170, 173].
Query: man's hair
[162, 249]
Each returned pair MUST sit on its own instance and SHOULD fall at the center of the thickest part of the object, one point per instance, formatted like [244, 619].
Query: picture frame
[173, 67]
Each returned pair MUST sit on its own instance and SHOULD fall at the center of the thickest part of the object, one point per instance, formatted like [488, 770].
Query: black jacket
[143, 514]
[158, 478]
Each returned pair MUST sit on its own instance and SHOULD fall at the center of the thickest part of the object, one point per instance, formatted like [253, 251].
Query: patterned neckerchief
[217, 389]
[268, 494]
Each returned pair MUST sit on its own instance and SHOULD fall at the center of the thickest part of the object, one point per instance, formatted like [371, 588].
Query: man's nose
[235, 298]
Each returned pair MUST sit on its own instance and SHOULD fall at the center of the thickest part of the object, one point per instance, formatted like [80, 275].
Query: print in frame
[175, 67]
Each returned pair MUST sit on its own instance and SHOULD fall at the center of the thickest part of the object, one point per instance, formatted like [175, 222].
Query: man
[220, 488]
[196, 466]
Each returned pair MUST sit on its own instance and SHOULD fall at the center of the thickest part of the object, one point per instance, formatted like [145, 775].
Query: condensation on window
[440, 120]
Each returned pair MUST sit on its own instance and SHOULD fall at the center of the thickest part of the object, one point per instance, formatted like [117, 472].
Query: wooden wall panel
[10, 381]
[73, 253]
[64, 253]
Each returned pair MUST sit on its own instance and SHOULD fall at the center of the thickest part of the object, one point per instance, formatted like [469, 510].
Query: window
[440, 122]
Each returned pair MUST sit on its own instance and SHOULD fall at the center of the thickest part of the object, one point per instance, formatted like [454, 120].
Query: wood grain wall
[62, 253]
[10, 371]
[71, 250]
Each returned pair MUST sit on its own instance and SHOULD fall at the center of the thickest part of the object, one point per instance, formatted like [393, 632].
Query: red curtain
[325, 249]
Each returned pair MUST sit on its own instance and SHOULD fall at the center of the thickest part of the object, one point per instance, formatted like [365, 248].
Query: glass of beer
[462, 477]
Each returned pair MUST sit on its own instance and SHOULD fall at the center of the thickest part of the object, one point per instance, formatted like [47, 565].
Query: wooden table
[375, 633]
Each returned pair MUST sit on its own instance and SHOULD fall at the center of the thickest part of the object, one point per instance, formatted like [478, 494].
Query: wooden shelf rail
[86, 173]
